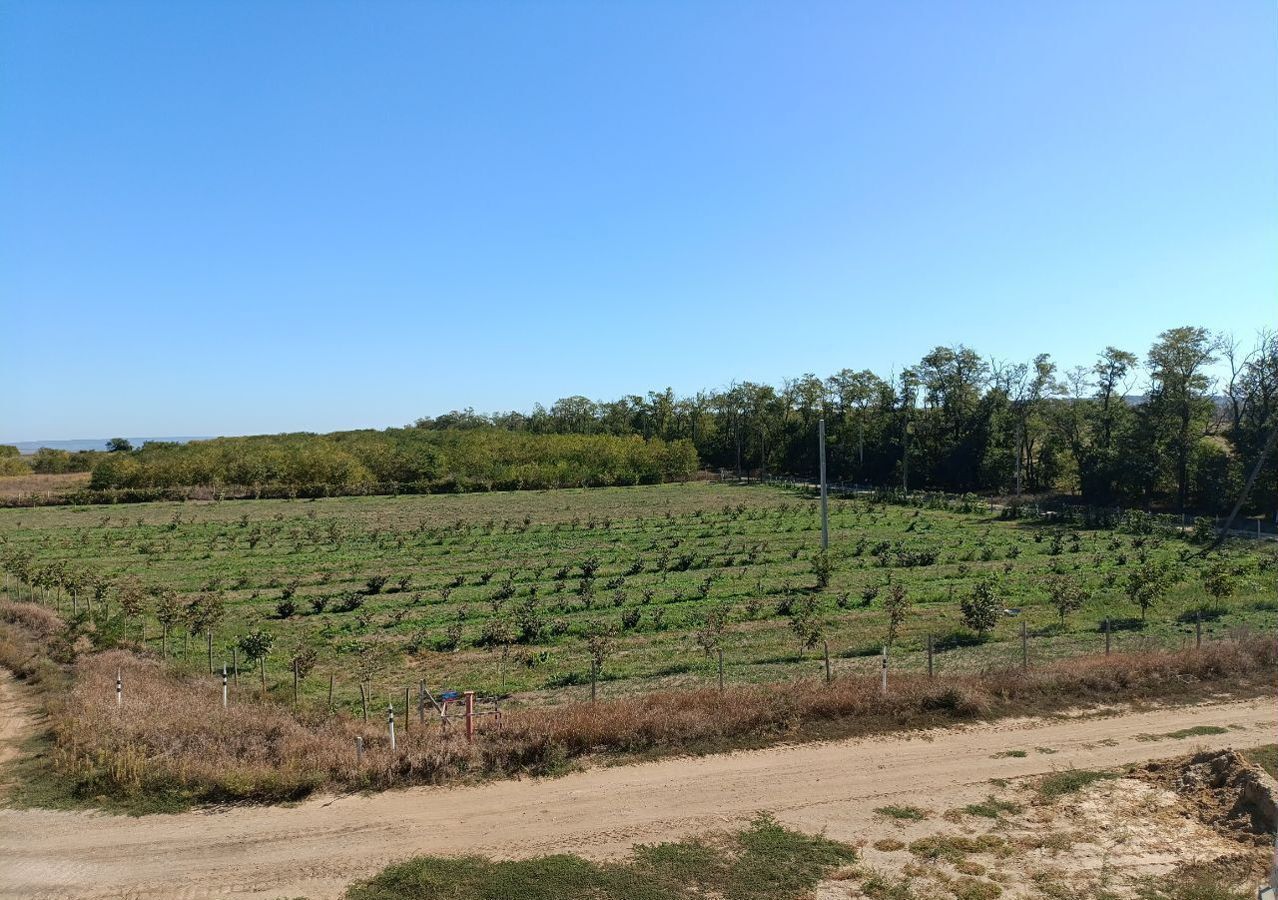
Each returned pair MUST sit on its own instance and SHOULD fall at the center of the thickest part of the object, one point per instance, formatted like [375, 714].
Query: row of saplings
[980, 608]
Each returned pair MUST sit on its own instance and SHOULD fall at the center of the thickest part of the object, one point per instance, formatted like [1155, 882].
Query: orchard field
[501, 592]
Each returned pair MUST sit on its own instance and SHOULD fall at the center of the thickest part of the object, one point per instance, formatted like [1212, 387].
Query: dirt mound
[1227, 792]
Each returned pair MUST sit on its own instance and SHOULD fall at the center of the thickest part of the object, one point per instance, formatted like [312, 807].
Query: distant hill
[29, 447]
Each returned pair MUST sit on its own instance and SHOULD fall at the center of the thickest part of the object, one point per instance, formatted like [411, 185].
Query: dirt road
[315, 849]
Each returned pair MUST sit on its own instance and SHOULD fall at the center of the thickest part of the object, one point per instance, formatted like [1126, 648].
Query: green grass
[666, 554]
[954, 848]
[879, 886]
[968, 888]
[761, 862]
[905, 813]
[1266, 757]
[991, 808]
[1012, 754]
[1195, 731]
[1070, 781]
[1196, 885]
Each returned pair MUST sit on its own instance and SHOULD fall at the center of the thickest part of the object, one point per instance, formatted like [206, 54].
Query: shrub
[1218, 581]
[897, 606]
[1065, 594]
[1070, 781]
[351, 602]
[982, 607]
[822, 567]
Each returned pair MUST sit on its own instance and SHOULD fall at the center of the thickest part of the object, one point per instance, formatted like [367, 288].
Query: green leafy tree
[256, 646]
[1146, 584]
[529, 618]
[202, 614]
[1065, 594]
[168, 612]
[130, 596]
[1180, 400]
[714, 625]
[1218, 582]
[982, 607]
[805, 621]
[897, 605]
[302, 660]
[601, 640]
[822, 568]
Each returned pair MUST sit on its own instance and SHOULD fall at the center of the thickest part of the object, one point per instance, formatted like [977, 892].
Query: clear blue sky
[241, 217]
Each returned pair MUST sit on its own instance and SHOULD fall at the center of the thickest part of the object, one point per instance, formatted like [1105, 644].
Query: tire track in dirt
[17, 722]
[316, 848]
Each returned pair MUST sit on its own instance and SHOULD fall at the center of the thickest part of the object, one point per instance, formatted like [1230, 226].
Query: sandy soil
[1171, 820]
[316, 848]
[15, 721]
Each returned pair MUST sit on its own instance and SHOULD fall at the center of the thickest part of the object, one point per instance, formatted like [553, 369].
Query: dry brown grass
[173, 738]
[20, 485]
[35, 645]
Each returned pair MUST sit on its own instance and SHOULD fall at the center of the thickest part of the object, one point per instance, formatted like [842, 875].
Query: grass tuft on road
[991, 808]
[906, 813]
[1195, 731]
[1070, 781]
[761, 862]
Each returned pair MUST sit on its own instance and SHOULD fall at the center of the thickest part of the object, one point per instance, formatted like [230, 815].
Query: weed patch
[991, 808]
[1195, 731]
[761, 862]
[907, 813]
[1070, 781]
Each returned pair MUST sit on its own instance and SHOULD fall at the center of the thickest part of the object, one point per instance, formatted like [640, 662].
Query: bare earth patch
[1116, 835]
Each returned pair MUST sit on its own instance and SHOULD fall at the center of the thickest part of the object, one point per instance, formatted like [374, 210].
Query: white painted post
[883, 686]
[390, 721]
[119, 689]
[359, 750]
[224, 685]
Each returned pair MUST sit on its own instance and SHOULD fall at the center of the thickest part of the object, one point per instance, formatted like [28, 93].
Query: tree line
[46, 461]
[1162, 430]
[398, 459]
